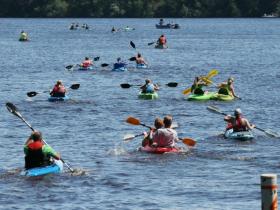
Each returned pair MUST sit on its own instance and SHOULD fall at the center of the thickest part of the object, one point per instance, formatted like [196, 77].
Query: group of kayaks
[210, 96]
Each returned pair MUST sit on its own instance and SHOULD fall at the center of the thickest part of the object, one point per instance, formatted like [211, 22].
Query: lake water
[88, 130]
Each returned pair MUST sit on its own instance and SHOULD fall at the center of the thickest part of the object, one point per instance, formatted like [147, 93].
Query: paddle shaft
[21, 117]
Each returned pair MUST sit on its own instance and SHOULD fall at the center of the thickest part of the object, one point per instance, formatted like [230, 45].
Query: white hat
[237, 111]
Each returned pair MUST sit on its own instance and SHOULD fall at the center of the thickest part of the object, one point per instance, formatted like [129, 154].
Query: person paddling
[197, 86]
[140, 59]
[227, 88]
[148, 138]
[23, 36]
[149, 87]
[238, 122]
[162, 40]
[165, 137]
[38, 154]
[119, 64]
[86, 63]
[58, 90]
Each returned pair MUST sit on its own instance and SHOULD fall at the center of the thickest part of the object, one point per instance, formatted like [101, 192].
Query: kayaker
[58, 90]
[161, 21]
[38, 154]
[226, 88]
[119, 64]
[113, 30]
[162, 40]
[86, 63]
[148, 138]
[23, 36]
[238, 122]
[72, 26]
[165, 137]
[140, 59]
[149, 87]
[197, 86]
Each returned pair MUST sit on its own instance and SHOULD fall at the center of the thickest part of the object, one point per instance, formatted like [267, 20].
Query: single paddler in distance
[227, 88]
[140, 61]
[58, 90]
[87, 63]
[23, 36]
[161, 42]
[148, 90]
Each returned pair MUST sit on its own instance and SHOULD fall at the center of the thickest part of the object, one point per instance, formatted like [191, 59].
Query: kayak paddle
[132, 45]
[211, 74]
[134, 121]
[170, 84]
[151, 43]
[13, 109]
[217, 110]
[132, 59]
[33, 93]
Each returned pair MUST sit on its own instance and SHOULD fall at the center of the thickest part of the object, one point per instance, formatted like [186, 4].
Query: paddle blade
[212, 73]
[172, 84]
[215, 110]
[133, 121]
[96, 58]
[75, 86]
[151, 43]
[268, 132]
[187, 91]
[31, 94]
[125, 85]
[104, 64]
[132, 44]
[69, 67]
[188, 141]
[128, 137]
[11, 107]
[132, 59]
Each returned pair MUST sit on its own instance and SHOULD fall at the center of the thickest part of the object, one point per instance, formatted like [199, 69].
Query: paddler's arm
[47, 150]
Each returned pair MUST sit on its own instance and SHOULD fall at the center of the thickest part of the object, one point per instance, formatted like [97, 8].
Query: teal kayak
[204, 97]
[81, 68]
[120, 69]
[55, 168]
[53, 99]
[222, 97]
[148, 96]
[141, 66]
[242, 135]
[160, 46]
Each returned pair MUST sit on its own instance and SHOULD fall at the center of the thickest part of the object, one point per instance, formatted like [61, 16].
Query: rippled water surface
[88, 130]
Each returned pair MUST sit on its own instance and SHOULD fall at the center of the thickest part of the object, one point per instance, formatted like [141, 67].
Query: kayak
[53, 99]
[242, 135]
[120, 69]
[204, 97]
[141, 66]
[85, 68]
[148, 96]
[168, 26]
[160, 46]
[23, 40]
[159, 150]
[222, 97]
[129, 29]
[55, 168]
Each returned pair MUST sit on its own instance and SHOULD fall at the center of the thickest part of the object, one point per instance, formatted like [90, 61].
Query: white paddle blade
[128, 137]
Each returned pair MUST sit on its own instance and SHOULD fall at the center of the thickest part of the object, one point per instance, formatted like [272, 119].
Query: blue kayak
[53, 99]
[141, 66]
[242, 135]
[55, 168]
[86, 68]
[120, 69]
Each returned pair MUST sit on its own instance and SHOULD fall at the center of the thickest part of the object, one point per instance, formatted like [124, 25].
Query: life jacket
[58, 91]
[35, 156]
[86, 63]
[225, 90]
[162, 40]
[197, 89]
[238, 125]
[150, 88]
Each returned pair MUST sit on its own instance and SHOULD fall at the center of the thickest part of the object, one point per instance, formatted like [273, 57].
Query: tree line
[138, 8]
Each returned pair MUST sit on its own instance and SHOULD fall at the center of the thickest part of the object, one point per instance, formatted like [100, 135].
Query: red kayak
[159, 150]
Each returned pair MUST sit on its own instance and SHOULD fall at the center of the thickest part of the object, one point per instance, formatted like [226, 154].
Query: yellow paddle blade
[207, 81]
[212, 73]
[133, 121]
[187, 91]
[188, 141]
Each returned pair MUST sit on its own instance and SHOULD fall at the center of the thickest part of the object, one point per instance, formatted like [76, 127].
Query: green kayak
[222, 97]
[204, 97]
[148, 96]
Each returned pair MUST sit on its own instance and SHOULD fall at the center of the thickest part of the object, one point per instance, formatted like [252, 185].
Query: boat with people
[54, 99]
[56, 167]
[148, 96]
[159, 150]
[241, 135]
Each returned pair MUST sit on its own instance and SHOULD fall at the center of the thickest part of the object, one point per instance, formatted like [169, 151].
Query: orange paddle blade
[189, 141]
[187, 91]
[133, 121]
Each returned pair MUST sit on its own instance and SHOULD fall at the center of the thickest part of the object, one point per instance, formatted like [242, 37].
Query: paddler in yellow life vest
[197, 86]
[226, 88]
[23, 36]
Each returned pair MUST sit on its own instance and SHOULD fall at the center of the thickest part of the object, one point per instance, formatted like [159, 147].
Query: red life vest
[36, 145]
[162, 40]
[87, 63]
[238, 125]
[58, 89]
